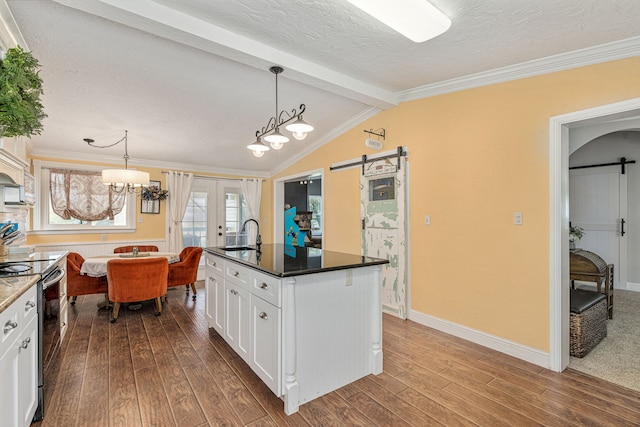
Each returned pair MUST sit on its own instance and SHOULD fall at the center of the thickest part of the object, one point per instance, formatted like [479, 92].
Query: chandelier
[299, 128]
[122, 179]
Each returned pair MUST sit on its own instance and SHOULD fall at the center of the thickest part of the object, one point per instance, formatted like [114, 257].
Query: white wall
[607, 149]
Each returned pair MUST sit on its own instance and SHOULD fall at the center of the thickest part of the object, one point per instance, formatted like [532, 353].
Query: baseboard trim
[633, 286]
[520, 351]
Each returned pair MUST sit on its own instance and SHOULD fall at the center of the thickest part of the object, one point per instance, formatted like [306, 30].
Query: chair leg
[73, 299]
[114, 313]
[187, 287]
[193, 288]
[158, 306]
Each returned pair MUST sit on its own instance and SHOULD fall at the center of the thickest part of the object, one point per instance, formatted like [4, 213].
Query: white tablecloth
[97, 266]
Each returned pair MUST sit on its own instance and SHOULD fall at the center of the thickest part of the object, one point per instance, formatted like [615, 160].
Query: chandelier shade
[125, 178]
[122, 179]
[271, 132]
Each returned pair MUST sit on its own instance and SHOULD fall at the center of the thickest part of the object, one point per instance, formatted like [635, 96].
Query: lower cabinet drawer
[266, 287]
[237, 274]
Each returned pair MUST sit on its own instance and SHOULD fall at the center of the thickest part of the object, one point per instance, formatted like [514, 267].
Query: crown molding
[83, 157]
[10, 35]
[328, 137]
[592, 55]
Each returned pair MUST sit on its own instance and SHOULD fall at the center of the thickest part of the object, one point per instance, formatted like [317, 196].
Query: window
[194, 222]
[47, 221]
[235, 215]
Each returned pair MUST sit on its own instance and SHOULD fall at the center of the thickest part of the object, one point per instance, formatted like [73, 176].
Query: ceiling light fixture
[122, 179]
[299, 128]
[417, 20]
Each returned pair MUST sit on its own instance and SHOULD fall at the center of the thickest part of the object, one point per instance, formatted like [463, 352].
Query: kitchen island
[306, 320]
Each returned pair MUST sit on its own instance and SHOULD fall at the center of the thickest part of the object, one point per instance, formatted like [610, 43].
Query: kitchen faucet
[258, 238]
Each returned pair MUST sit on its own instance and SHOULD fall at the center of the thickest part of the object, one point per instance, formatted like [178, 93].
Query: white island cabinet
[19, 361]
[306, 321]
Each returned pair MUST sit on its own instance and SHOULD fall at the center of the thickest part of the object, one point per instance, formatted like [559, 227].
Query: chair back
[185, 271]
[139, 279]
[74, 262]
[141, 248]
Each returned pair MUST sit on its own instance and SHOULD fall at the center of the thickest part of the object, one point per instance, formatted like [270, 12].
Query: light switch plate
[517, 218]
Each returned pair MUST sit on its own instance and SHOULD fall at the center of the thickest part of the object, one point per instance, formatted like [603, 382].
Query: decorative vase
[572, 244]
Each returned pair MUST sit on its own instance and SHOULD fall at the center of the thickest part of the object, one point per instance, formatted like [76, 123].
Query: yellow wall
[476, 156]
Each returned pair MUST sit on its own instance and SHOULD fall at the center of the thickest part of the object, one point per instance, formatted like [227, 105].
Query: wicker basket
[587, 329]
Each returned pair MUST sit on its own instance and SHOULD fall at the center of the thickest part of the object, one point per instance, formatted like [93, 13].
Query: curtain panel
[82, 195]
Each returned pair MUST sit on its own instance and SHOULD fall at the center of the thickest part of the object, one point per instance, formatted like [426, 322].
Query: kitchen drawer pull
[29, 305]
[25, 343]
[9, 326]
[263, 315]
[234, 292]
[236, 274]
[211, 278]
[264, 286]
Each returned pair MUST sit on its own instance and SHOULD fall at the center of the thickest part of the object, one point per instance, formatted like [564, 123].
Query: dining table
[97, 266]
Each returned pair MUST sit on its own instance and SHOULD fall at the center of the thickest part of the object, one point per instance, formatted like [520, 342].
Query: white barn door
[598, 204]
[383, 212]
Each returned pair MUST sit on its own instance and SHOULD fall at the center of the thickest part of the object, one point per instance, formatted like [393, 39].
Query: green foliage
[21, 111]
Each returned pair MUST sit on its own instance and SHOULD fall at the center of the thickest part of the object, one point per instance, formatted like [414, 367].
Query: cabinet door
[9, 384]
[265, 356]
[28, 372]
[237, 319]
[215, 307]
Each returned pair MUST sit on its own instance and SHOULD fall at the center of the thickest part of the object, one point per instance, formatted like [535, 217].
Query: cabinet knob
[263, 315]
[264, 286]
[9, 326]
[25, 342]
[211, 278]
[29, 305]
[234, 292]
[236, 274]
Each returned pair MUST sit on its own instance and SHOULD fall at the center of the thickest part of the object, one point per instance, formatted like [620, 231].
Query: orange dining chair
[143, 248]
[134, 280]
[185, 271]
[81, 284]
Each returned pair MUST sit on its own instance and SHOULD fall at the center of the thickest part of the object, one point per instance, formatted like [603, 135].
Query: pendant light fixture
[122, 179]
[271, 132]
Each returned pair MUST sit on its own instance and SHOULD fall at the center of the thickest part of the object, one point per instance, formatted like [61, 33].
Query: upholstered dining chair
[185, 271]
[143, 248]
[134, 280]
[80, 284]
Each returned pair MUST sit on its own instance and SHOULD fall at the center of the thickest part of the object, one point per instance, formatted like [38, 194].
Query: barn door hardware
[623, 162]
[400, 152]
[622, 221]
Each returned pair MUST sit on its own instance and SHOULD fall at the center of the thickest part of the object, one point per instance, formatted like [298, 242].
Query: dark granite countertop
[283, 260]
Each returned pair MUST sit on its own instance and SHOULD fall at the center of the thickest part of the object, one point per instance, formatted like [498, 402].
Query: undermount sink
[238, 248]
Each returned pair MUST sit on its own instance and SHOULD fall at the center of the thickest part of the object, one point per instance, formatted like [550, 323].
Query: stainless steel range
[51, 273]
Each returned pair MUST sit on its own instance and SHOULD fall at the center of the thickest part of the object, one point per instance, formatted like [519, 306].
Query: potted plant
[575, 233]
[21, 111]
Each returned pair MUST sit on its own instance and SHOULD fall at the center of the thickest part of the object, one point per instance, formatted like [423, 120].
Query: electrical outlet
[349, 279]
[140, 219]
[427, 220]
[103, 237]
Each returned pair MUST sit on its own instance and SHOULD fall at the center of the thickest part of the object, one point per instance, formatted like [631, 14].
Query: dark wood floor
[173, 371]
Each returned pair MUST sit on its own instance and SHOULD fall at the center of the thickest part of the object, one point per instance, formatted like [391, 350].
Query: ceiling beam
[171, 24]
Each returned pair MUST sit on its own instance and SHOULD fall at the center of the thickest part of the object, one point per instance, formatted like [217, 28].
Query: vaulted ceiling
[189, 79]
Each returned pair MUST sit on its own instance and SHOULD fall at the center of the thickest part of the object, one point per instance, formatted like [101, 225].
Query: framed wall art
[149, 204]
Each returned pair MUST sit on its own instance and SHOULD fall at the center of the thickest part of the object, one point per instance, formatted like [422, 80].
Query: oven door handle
[53, 278]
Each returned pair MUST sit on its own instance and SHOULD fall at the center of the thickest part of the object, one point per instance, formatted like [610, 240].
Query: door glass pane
[194, 222]
[235, 215]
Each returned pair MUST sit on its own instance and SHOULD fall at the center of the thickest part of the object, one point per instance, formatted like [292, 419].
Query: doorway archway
[620, 114]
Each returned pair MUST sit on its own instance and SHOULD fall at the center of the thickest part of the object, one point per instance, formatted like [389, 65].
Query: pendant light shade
[258, 148]
[299, 128]
[276, 139]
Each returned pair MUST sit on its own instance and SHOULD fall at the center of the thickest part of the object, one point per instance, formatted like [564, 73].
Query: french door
[214, 216]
